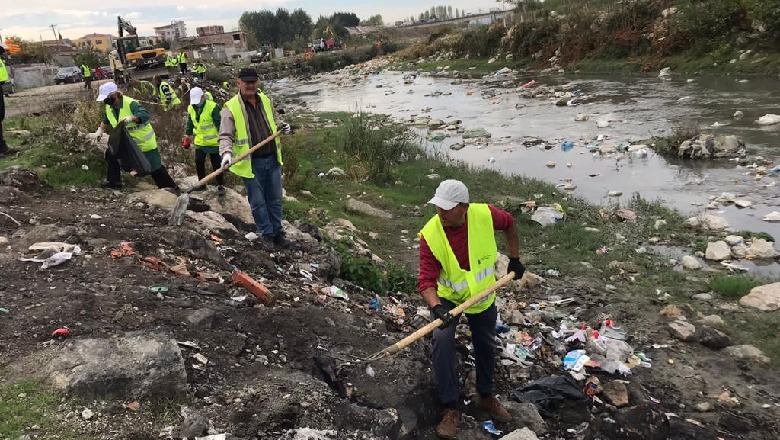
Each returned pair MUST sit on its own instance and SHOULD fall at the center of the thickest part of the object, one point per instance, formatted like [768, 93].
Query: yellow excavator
[141, 62]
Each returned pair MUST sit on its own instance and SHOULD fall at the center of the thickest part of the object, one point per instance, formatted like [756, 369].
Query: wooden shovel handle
[243, 156]
[405, 342]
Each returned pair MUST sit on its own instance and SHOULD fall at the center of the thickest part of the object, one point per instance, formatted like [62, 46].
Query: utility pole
[53, 30]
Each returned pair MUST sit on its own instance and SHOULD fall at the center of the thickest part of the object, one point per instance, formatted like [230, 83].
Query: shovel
[405, 342]
[180, 207]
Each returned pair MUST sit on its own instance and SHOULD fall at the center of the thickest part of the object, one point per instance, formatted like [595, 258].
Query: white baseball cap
[105, 90]
[196, 93]
[449, 194]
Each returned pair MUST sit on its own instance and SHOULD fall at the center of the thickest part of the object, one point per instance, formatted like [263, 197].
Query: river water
[637, 108]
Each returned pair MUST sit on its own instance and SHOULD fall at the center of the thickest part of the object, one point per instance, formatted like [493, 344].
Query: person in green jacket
[203, 131]
[166, 93]
[120, 110]
[200, 69]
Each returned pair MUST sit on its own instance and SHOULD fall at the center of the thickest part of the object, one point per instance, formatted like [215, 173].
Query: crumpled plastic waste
[549, 392]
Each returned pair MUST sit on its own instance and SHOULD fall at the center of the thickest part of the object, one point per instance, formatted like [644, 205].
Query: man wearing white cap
[457, 261]
[203, 124]
[126, 111]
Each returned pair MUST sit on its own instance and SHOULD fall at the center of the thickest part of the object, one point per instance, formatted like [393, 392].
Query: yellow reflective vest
[241, 140]
[143, 134]
[3, 72]
[455, 284]
[86, 71]
[205, 131]
[164, 99]
[182, 58]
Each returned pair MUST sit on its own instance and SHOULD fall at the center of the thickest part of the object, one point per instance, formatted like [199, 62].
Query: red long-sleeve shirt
[430, 268]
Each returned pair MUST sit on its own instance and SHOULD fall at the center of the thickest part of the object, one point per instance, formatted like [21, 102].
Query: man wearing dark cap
[246, 120]
[3, 78]
[458, 255]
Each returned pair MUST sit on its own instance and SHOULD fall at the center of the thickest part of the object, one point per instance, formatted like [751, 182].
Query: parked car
[67, 75]
[106, 72]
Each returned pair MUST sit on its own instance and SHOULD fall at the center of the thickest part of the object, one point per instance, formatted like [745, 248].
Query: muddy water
[636, 109]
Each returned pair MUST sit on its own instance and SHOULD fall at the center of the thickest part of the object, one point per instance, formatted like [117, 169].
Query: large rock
[712, 338]
[208, 221]
[527, 416]
[708, 222]
[761, 249]
[366, 209]
[746, 352]
[616, 392]
[717, 251]
[232, 203]
[690, 263]
[520, 434]
[682, 330]
[154, 197]
[766, 297]
[131, 367]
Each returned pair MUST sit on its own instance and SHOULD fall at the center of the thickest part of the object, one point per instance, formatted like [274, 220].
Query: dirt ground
[269, 373]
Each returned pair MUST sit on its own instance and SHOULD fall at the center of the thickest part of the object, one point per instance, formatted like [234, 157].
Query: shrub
[371, 148]
[733, 286]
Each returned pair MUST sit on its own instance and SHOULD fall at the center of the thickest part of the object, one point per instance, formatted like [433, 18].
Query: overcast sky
[31, 19]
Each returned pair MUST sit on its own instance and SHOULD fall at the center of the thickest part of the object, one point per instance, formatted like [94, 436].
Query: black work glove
[517, 267]
[442, 313]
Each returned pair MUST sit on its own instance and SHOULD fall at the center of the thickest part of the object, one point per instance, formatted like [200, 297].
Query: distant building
[171, 32]
[214, 46]
[210, 30]
[100, 42]
[63, 47]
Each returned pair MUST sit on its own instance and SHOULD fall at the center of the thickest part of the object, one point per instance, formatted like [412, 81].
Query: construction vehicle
[140, 62]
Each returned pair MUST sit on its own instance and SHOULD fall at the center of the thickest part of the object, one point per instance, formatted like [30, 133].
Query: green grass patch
[23, 405]
[733, 286]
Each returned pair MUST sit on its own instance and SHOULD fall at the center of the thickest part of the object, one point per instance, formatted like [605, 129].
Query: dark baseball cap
[247, 74]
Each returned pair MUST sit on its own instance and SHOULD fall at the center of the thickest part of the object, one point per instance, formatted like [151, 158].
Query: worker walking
[457, 261]
[87, 73]
[124, 110]
[248, 119]
[203, 124]
[4, 151]
[182, 60]
[200, 70]
[166, 93]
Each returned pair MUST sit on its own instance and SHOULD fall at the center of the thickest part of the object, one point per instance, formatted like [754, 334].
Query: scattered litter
[133, 406]
[251, 236]
[200, 358]
[491, 428]
[335, 292]
[548, 215]
[253, 286]
[549, 392]
[158, 288]
[62, 333]
[370, 371]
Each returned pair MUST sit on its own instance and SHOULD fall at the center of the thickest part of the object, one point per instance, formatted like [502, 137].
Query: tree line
[296, 29]
[439, 13]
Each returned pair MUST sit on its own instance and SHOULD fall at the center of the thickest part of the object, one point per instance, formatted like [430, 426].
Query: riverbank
[601, 258]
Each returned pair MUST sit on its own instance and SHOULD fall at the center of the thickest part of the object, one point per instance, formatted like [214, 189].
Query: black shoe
[221, 191]
[280, 241]
[111, 185]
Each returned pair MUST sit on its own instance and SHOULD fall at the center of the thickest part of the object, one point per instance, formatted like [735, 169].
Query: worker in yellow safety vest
[4, 77]
[86, 72]
[203, 130]
[182, 60]
[458, 256]
[166, 93]
[247, 119]
[125, 111]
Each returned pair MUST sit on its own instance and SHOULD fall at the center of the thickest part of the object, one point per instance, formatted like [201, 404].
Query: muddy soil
[271, 370]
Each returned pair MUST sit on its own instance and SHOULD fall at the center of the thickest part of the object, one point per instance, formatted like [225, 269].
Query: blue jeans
[264, 193]
[483, 336]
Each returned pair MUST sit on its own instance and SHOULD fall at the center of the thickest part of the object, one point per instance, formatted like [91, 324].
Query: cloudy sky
[31, 19]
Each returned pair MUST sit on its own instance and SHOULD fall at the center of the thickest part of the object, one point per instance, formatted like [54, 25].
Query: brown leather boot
[448, 427]
[494, 407]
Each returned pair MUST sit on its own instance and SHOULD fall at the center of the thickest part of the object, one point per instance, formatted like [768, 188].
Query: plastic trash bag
[549, 392]
[122, 146]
